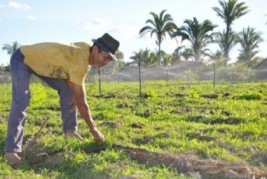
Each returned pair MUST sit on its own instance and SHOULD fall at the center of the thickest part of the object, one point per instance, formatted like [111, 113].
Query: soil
[186, 164]
[192, 164]
[183, 163]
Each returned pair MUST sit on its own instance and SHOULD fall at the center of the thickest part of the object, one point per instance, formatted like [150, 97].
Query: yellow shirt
[57, 60]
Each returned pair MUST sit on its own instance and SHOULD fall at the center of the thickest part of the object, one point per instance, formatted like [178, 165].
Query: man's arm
[83, 107]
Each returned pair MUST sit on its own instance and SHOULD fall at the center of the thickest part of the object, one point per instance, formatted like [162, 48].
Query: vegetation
[198, 34]
[226, 123]
[249, 40]
[11, 48]
[160, 25]
[229, 12]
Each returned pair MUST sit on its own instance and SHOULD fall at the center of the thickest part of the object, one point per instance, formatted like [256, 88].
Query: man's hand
[99, 138]
[80, 101]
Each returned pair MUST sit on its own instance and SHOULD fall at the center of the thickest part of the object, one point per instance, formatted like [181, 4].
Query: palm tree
[199, 35]
[166, 58]
[176, 56]
[187, 54]
[160, 25]
[119, 55]
[184, 52]
[229, 12]
[218, 59]
[226, 43]
[249, 40]
[11, 48]
[146, 58]
[142, 58]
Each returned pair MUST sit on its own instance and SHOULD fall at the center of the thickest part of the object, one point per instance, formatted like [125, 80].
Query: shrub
[150, 94]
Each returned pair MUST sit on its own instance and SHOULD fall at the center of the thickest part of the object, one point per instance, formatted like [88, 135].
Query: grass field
[148, 137]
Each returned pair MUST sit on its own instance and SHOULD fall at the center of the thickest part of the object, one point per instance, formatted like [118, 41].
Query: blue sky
[66, 21]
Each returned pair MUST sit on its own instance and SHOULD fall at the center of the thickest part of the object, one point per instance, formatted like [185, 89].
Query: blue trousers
[21, 97]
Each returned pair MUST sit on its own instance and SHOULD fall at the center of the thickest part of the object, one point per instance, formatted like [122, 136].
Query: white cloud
[1, 6]
[32, 18]
[17, 5]
[127, 30]
[96, 24]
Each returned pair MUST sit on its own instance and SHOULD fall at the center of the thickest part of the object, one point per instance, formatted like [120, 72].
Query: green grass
[173, 118]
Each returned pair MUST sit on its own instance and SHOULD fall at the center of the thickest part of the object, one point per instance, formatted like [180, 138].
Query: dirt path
[190, 163]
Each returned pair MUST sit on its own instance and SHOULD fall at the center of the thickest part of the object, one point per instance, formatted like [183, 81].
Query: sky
[67, 21]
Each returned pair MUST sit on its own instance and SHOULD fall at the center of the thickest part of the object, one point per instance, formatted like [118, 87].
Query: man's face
[101, 58]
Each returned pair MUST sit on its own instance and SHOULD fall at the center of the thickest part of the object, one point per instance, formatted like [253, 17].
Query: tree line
[198, 34]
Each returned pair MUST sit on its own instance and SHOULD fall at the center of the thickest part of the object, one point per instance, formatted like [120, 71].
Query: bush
[150, 94]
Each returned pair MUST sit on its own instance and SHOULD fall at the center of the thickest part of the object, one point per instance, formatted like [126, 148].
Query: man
[64, 68]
